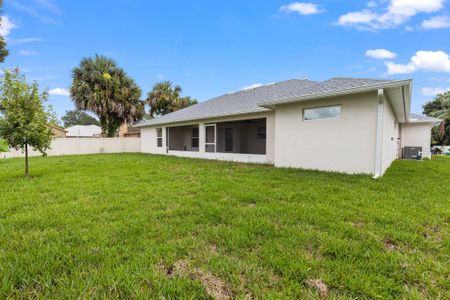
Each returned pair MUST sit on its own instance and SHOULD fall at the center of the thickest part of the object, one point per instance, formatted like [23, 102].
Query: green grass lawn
[144, 226]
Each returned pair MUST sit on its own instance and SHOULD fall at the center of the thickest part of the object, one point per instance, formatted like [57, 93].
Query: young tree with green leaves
[100, 86]
[78, 117]
[23, 118]
[439, 107]
[165, 98]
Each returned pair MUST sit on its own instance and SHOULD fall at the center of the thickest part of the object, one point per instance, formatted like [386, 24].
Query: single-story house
[57, 131]
[348, 125]
[128, 131]
[84, 131]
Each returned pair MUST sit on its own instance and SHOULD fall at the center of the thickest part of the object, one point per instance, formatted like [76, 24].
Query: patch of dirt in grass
[390, 245]
[249, 205]
[215, 287]
[213, 249]
[433, 232]
[319, 285]
[180, 268]
[357, 224]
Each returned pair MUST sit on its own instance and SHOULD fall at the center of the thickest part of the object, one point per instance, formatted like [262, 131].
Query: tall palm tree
[165, 98]
[100, 86]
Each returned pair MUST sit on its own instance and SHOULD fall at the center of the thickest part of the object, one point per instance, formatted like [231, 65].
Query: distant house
[58, 131]
[349, 125]
[84, 131]
[127, 131]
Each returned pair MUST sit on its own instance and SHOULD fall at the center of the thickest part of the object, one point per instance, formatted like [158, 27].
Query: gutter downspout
[379, 135]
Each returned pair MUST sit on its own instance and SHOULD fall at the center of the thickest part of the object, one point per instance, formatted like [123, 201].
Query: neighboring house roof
[84, 130]
[416, 118]
[57, 127]
[258, 99]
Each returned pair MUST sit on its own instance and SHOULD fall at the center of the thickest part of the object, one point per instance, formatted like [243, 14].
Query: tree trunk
[103, 125]
[26, 159]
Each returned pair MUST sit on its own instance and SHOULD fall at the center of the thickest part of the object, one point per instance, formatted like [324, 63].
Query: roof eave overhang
[203, 118]
[358, 90]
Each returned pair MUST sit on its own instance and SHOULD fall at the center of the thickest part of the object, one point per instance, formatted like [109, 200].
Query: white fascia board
[362, 89]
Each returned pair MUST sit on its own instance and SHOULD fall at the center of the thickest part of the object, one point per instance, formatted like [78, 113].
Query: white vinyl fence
[76, 146]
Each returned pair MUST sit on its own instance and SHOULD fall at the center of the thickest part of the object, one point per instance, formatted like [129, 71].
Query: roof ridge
[261, 86]
[358, 78]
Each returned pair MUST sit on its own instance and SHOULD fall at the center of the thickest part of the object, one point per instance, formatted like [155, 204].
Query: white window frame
[317, 107]
[159, 137]
[195, 137]
[215, 137]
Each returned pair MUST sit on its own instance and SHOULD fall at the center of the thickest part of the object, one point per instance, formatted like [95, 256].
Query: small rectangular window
[159, 138]
[195, 137]
[318, 113]
[261, 133]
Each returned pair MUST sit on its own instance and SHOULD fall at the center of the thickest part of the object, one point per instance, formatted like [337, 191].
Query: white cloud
[430, 91]
[430, 61]
[28, 52]
[160, 76]
[59, 92]
[50, 6]
[394, 68]
[6, 26]
[436, 23]
[381, 54]
[24, 40]
[37, 9]
[396, 13]
[358, 17]
[372, 4]
[301, 8]
[252, 86]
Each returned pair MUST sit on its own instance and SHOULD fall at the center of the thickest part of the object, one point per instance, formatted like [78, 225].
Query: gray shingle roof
[251, 101]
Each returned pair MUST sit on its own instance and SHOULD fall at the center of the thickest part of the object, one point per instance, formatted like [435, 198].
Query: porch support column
[165, 139]
[201, 137]
[379, 134]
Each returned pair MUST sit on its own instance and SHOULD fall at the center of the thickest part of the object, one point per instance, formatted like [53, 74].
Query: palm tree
[444, 112]
[165, 98]
[100, 86]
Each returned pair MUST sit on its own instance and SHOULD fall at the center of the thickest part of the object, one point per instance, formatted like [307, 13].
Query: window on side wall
[159, 138]
[320, 113]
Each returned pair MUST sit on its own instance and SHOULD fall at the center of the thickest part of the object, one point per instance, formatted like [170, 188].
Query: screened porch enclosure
[183, 138]
[243, 136]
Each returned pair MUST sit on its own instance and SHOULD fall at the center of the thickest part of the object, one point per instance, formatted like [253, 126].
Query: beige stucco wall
[345, 145]
[417, 135]
[390, 133]
[149, 143]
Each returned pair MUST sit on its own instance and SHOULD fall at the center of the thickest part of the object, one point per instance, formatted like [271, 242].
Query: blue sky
[214, 47]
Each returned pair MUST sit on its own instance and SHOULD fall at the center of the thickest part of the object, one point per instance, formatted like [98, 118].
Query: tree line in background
[101, 87]
[439, 107]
